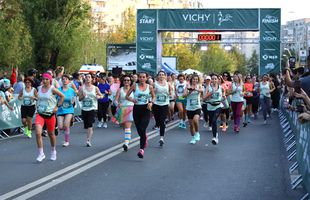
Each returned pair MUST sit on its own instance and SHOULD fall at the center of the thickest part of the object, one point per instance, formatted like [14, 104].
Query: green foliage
[252, 63]
[238, 60]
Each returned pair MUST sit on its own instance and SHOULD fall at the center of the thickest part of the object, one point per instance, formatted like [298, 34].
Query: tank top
[180, 87]
[205, 89]
[90, 101]
[161, 94]
[123, 100]
[248, 89]
[142, 97]
[27, 101]
[237, 95]
[46, 101]
[193, 101]
[264, 89]
[215, 100]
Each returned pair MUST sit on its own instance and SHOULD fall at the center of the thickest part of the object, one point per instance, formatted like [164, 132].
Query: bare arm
[132, 88]
[152, 93]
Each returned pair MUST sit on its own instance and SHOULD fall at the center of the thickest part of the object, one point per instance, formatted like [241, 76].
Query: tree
[239, 60]
[252, 63]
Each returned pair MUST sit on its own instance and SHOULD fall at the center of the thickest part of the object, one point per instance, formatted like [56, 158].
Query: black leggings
[141, 117]
[160, 115]
[102, 111]
[213, 117]
[206, 114]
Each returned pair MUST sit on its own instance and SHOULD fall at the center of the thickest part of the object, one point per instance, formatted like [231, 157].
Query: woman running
[124, 109]
[46, 109]
[171, 81]
[204, 105]
[28, 95]
[215, 97]
[66, 111]
[248, 95]
[255, 99]
[265, 88]
[237, 101]
[89, 95]
[180, 100]
[160, 108]
[226, 108]
[142, 108]
[103, 104]
[193, 106]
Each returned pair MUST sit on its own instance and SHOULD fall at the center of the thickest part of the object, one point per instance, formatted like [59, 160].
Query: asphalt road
[244, 166]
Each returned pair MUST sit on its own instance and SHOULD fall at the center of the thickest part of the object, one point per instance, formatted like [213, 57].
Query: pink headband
[48, 76]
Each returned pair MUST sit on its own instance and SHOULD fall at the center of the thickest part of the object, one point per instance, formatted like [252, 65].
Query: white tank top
[161, 94]
[90, 101]
[27, 101]
[123, 100]
[46, 101]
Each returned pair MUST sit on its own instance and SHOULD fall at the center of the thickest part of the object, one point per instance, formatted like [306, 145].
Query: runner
[28, 95]
[265, 88]
[193, 106]
[255, 99]
[208, 123]
[215, 97]
[180, 100]
[248, 95]
[124, 109]
[172, 82]
[237, 101]
[89, 95]
[46, 108]
[103, 104]
[160, 108]
[142, 108]
[226, 108]
[66, 111]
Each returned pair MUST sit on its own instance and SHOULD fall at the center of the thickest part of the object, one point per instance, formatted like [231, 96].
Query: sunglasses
[126, 79]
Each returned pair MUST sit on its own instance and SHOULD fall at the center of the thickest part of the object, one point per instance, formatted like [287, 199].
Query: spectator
[14, 75]
[32, 73]
[19, 85]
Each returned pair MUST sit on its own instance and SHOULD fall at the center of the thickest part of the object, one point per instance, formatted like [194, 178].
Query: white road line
[76, 165]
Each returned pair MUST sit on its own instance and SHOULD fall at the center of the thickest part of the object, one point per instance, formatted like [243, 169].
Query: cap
[208, 78]
[32, 71]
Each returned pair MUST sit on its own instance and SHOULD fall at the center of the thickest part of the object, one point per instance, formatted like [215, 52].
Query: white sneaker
[105, 125]
[53, 155]
[193, 140]
[205, 125]
[215, 140]
[265, 121]
[99, 125]
[65, 144]
[40, 157]
[88, 144]
[210, 128]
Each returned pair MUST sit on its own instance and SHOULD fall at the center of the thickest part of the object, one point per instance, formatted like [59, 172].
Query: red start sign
[209, 37]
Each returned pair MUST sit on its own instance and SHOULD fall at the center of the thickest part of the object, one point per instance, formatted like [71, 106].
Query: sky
[290, 9]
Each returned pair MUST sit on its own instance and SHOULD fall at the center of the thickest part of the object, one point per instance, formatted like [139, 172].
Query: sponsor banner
[270, 25]
[202, 19]
[10, 118]
[269, 57]
[146, 40]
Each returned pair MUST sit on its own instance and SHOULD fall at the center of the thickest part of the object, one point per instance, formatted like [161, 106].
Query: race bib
[42, 108]
[27, 101]
[161, 98]
[215, 95]
[66, 104]
[87, 103]
[193, 102]
[142, 98]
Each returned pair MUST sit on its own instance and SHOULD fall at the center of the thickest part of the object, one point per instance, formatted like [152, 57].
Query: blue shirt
[67, 106]
[103, 88]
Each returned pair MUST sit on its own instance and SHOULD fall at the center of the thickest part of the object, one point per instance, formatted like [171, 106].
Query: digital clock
[209, 37]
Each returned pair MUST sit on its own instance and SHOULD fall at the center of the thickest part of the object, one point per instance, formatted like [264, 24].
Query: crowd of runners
[125, 99]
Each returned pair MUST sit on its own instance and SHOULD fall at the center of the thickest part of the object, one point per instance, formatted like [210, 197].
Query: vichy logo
[146, 20]
[196, 17]
[142, 57]
[269, 38]
[147, 39]
[272, 57]
[270, 19]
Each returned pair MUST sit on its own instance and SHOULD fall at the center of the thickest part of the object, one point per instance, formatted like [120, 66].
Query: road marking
[108, 153]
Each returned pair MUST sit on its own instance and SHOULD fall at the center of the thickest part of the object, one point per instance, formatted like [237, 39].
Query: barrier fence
[297, 140]
[10, 119]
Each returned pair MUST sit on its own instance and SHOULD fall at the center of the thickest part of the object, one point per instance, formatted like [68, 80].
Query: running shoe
[265, 121]
[140, 153]
[245, 124]
[125, 147]
[40, 157]
[44, 133]
[53, 155]
[88, 144]
[65, 144]
[210, 128]
[193, 140]
[237, 129]
[161, 142]
[215, 140]
[180, 125]
[99, 125]
[197, 137]
[105, 125]
[183, 125]
[205, 125]
[28, 133]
